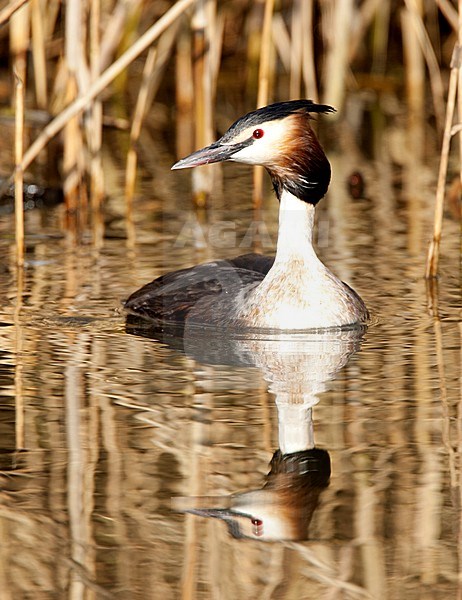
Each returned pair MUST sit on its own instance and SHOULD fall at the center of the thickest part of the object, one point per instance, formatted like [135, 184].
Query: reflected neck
[295, 427]
[296, 222]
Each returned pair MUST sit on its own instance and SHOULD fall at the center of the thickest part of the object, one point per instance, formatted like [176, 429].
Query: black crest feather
[276, 111]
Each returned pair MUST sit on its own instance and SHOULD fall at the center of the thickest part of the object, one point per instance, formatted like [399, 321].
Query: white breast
[299, 292]
[300, 297]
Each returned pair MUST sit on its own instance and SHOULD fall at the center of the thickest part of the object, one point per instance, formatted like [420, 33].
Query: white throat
[296, 222]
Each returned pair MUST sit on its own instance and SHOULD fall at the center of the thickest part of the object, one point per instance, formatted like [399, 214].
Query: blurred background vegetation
[112, 92]
[187, 69]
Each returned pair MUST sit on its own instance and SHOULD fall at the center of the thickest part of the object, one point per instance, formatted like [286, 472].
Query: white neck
[295, 427]
[296, 222]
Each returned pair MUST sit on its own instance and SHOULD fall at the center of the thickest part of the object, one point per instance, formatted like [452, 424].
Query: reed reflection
[297, 367]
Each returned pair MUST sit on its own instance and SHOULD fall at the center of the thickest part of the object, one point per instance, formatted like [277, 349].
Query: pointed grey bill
[216, 152]
[217, 513]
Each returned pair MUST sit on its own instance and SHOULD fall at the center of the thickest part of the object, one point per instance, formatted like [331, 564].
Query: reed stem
[18, 173]
[263, 89]
[296, 48]
[19, 41]
[308, 59]
[459, 89]
[337, 56]
[73, 142]
[433, 251]
[38, 53]
[415, 81]
[154, 65]
[184, 91]
[449, 12]
[428, 52]
[10, 9]
[95, 128]
[202, 28]
[140, 110]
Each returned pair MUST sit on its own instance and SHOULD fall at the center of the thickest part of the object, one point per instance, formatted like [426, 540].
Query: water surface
[101, 428]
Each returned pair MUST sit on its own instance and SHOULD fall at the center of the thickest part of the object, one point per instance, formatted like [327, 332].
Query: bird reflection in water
[297, 367]
[281, 509]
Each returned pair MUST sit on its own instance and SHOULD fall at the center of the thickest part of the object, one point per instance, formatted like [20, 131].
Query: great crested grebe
[293, 290]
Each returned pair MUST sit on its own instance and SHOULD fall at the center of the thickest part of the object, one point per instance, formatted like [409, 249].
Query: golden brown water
[101, 428]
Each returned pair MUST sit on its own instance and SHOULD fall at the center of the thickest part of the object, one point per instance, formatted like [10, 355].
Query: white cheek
[253, 154]
[264, 149]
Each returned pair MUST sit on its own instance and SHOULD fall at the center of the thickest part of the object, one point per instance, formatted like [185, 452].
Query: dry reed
[434, 247]
[338, 41]
[308, 55]
[38, 54]
[205, 38]
[434, 71]
[20, 27]
[140, 110]
[459, 97]
[18, 173]
[455, 83]
[184, 94]
[115, 69]
[264, 73]
[19, 238]
[95, 126]
[10, 9]
[291, 55]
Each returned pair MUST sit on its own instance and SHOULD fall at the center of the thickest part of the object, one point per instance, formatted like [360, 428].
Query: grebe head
[280, 138]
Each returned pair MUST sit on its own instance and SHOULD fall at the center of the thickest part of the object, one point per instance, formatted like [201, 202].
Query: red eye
[257, 527]
[258, 133]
